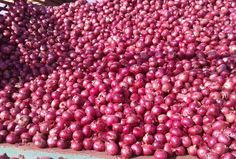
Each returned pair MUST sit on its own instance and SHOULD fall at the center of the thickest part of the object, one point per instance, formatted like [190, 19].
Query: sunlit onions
[131, 78]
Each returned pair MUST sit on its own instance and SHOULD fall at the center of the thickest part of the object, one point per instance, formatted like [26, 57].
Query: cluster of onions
[129, 77]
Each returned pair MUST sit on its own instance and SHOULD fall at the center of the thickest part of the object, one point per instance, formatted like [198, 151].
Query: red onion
[99, 145]
[196, 140]
[168, 148]
[77, 135]
[87, 131]
[40, 141]
[138, 132]
[160, 154]
[175, 141]
[52, 141]
[187, 122]
[160, 138]
[192, 150]
[126, 152]
[137, 149]
[202, 151]
[129, 139]
[195, 130]
[112, 136]
[78, 146]
[186, 141]
[63, 144]
[112, 148]
[148, 150]
[149, 128]
[65, 134]
[228, 156]
[25, 137]
[220, 148]
[11, 138]
[212, 155]
[230, 117]
[180, 151]
[222, 138]
[233, 145]
[212, 141]
[148, 139]
[44, 158]
[88, 143]
[219, 125]
[4, 156]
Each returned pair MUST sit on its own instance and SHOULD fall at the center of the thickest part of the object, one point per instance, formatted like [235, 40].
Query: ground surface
[31, 152]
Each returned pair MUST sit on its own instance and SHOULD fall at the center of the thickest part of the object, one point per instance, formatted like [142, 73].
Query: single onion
[137, 149]
[99, 145]
[11, 138]
[126, 152]
[88, 144]
[112, 148]
[220, 148]
[160, 154]
[78, 146]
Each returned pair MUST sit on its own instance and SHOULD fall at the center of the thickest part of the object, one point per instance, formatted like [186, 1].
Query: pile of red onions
[129, 77]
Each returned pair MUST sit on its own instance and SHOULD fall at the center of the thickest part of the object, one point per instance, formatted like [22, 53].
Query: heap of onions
[129, 77]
